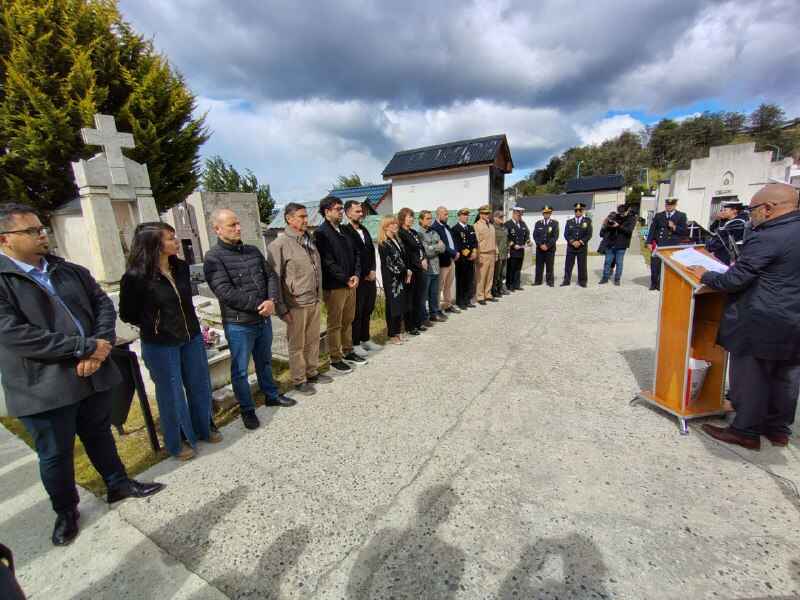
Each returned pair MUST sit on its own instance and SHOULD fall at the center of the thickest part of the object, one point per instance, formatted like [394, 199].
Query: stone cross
[112, 141]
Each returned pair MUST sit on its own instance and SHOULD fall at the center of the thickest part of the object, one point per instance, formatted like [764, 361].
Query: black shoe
[66, 527]
[414, 332]
[441, 317]
[492, 300]
[582, 284]
[320, 378]
[422, 328]
[133, 489]
[250, 419]
[654, 288]
[462, 307]
[550, 284]
[482, 302]
[472, 305]
[454, 310]
[341, 368]
[603, 281]
[616, 282]
[564, 284]
[280, 400]
[537, 283]
[352, 357]
[518, 289]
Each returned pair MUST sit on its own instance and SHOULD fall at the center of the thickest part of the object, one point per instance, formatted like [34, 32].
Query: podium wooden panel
[688, 320]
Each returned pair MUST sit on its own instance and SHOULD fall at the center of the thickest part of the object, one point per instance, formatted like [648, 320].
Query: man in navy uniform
[467, 248]
[578, 232]
[728, 230]
[669, 228]
[545, 236]
[519, 236]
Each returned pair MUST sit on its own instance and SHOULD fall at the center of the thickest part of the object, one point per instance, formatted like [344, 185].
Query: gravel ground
[496, 456]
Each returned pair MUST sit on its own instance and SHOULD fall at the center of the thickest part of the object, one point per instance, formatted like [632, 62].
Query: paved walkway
[495, 458]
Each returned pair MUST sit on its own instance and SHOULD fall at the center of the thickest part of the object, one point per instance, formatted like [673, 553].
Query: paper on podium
[692, 258]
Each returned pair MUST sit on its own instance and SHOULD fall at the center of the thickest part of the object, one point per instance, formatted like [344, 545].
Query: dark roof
[373, 193]
[448, 156]
[558, 202]
[595, 183]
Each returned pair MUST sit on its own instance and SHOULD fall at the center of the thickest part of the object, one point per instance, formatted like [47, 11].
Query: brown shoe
[186, 453]
[215, 437]
[778, 439]
[727, 435]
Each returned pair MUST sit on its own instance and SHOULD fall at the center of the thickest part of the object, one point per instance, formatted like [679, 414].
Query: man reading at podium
[761, 323]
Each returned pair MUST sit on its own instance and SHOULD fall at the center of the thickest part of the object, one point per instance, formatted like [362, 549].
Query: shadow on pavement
[643, 281]
[582, 570]
[641, 362]
[413, 562]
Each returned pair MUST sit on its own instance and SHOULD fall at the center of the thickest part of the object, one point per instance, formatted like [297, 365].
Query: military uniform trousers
[485, 274]
[655, 272]
[513, 272]
[499, 276]
[302, 336]
[764, 394]
[544, 265]
[580, 257]
[465, 275]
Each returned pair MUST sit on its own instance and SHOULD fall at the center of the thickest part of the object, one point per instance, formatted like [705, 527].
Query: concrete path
[494, 457]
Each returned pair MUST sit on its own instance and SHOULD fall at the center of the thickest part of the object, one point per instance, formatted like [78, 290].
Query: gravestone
[244, 204]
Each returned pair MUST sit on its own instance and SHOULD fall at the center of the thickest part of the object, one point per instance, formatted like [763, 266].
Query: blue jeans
[611, 255]
[424, 283]
[433, 295]
[183, 390]
[53, 434]
[245, 340]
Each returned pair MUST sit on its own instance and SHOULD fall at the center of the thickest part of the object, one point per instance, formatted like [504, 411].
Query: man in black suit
[467, 247]
[366, 291]
[669, 228]
[578, 232]
[518, 237]
[545, 236]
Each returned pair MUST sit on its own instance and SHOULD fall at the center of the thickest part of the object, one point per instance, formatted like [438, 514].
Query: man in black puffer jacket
[761, 323]
[247, 289]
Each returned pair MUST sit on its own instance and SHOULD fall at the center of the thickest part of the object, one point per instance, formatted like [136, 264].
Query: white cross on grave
[112, 141]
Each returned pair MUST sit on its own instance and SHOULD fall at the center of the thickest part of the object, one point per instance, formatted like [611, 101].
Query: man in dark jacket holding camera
[761, 323]
[616, 233]
[57, 329]
[247, 289]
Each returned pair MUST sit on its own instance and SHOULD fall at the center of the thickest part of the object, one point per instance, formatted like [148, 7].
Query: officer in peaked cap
[578, 232]
[669, 228]
[519, 236]
[729, 230]
[545, 236]
[467, 247]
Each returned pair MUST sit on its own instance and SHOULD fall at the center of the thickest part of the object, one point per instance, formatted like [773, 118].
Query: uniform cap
[578, 205]
[733, 204]
[463, 211]
[547, 208]
[517, 208]
[485, 209]
[671, 201]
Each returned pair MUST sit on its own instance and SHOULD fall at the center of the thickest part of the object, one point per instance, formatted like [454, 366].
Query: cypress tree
[65, 60]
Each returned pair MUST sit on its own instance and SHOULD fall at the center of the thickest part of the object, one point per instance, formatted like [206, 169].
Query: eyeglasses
[32, 231]
[755, 206]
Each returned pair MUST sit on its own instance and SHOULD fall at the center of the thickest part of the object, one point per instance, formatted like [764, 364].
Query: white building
[465, 174]
[733, 172]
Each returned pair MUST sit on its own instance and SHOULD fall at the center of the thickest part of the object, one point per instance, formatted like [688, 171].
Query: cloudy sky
[301, 92]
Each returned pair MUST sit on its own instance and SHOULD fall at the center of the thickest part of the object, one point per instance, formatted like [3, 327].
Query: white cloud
[607, 128]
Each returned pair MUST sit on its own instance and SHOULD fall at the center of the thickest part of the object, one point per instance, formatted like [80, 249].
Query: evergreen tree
[219, 176]
[349, 181]
[62, 62]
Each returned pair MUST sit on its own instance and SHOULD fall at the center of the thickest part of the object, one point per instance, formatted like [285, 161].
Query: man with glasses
[669, 228]
[760, 326]
[57, 329]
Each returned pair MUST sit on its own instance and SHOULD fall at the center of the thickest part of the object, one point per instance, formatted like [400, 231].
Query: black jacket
[365, 249]
[241, 279]
[340, 257]
[762, 318]
[575, 232]
[162, 316]
[414, 249]
[519, 234]
[445, 258]
[465, 239]
[40, 346]
[619, 238]
[663, 235]
[545, 234]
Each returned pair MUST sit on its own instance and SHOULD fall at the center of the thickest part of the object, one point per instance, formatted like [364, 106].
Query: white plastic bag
[698, 369]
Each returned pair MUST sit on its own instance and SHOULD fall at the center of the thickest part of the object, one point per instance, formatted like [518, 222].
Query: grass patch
[134, 446]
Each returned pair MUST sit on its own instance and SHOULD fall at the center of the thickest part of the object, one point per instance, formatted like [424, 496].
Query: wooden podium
[688, 320]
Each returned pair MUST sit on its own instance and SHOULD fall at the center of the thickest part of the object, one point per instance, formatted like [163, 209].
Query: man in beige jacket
[487, 254]
[295, 259]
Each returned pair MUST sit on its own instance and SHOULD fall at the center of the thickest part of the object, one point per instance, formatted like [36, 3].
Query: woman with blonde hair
[395, 275]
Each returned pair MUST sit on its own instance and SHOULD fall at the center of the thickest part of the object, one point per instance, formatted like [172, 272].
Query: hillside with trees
[647, 156]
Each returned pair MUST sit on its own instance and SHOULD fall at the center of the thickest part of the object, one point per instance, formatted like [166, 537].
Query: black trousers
[764, 394]
[366, 292]
[655, 272]
[465, 274]
[544, 265]
[414, 300]
[570, 263]
[513, 272]
[53, 434]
